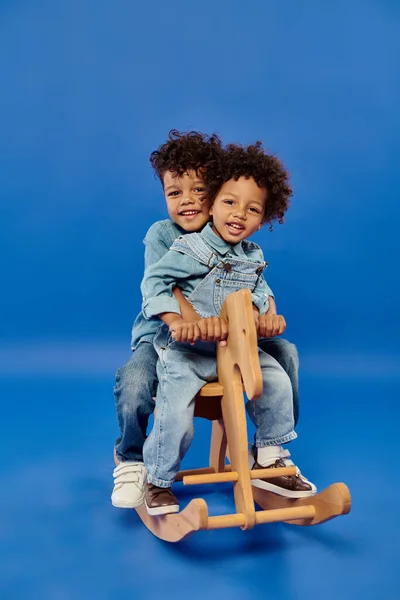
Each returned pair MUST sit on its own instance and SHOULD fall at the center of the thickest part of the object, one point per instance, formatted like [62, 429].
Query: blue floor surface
[62, 540]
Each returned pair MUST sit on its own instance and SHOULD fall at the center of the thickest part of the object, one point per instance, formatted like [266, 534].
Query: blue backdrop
[87, 90]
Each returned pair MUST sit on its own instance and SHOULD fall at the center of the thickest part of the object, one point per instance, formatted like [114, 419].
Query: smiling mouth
[236, 227]
[189, 213]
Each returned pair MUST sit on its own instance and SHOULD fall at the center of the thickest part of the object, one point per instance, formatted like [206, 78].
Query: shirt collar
[179, 230]
[218, 244]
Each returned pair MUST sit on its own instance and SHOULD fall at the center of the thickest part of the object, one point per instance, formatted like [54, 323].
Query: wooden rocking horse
[222, 403]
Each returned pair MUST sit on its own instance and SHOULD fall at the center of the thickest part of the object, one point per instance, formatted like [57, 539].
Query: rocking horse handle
[242, 346]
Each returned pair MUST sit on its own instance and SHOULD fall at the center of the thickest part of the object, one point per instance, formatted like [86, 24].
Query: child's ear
[210, 211]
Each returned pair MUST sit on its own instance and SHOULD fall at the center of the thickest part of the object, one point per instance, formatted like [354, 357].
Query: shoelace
[285, 454]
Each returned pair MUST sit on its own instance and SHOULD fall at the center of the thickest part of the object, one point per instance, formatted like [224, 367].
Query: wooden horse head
[241, 352]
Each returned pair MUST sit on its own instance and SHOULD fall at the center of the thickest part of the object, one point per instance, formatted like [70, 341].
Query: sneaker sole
[122, 504]
[276, 489]
[162, 510]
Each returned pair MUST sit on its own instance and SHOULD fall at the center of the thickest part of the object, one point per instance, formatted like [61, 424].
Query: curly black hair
[252, 161]
[183, 151]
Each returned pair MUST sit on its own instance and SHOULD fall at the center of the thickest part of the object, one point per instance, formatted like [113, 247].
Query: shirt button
[217, 281]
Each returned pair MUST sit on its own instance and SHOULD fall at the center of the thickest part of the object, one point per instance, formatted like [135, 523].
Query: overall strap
[194, 246]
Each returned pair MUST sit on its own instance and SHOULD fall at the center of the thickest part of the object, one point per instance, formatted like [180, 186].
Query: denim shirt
[207, 269]
[159, 238]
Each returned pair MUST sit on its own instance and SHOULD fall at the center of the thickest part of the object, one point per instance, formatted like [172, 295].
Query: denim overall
[183, 369]
[226, 276]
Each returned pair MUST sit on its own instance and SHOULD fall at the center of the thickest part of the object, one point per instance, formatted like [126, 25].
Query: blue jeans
[136, 385]
[287, 356]
[182, 371]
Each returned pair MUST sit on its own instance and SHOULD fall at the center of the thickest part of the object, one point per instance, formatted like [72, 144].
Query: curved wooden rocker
[222, 402]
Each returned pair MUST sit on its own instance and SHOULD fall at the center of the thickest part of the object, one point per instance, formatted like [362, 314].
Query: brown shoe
[160, 501]
[290, 486]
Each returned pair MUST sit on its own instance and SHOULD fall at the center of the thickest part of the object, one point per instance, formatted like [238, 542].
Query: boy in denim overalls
[246, 189]
[179, 164]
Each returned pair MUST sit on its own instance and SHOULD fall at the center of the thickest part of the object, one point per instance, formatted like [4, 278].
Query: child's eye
[228, 201]
[255, 210]
[200, 189]
[174, 193]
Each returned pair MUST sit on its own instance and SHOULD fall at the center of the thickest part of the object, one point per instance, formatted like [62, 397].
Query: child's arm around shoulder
[158, 299]
[157, 284]
[159, 280]
[159, 238]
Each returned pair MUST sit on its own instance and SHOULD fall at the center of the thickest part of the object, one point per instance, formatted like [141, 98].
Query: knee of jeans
[281, 382]
[184, 424]
[134, 405]
[132, 394]
[126, 374]
[136, 375]
[290, 351]
[294, 354]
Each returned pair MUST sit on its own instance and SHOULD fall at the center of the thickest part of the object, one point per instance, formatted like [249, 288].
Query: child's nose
[239, 213]
[187, 199]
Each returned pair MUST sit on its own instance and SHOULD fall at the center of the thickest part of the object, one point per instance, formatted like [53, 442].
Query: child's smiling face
[185, 205]
[238, 210]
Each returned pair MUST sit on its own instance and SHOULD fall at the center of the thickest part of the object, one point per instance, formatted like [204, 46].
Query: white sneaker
[129, 480]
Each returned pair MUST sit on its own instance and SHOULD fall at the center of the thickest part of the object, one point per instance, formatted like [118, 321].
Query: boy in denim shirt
[248, 189]
[180, 164]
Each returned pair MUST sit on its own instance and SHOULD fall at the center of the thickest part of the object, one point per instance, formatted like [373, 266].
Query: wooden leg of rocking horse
[218, 446]
[235, 423]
